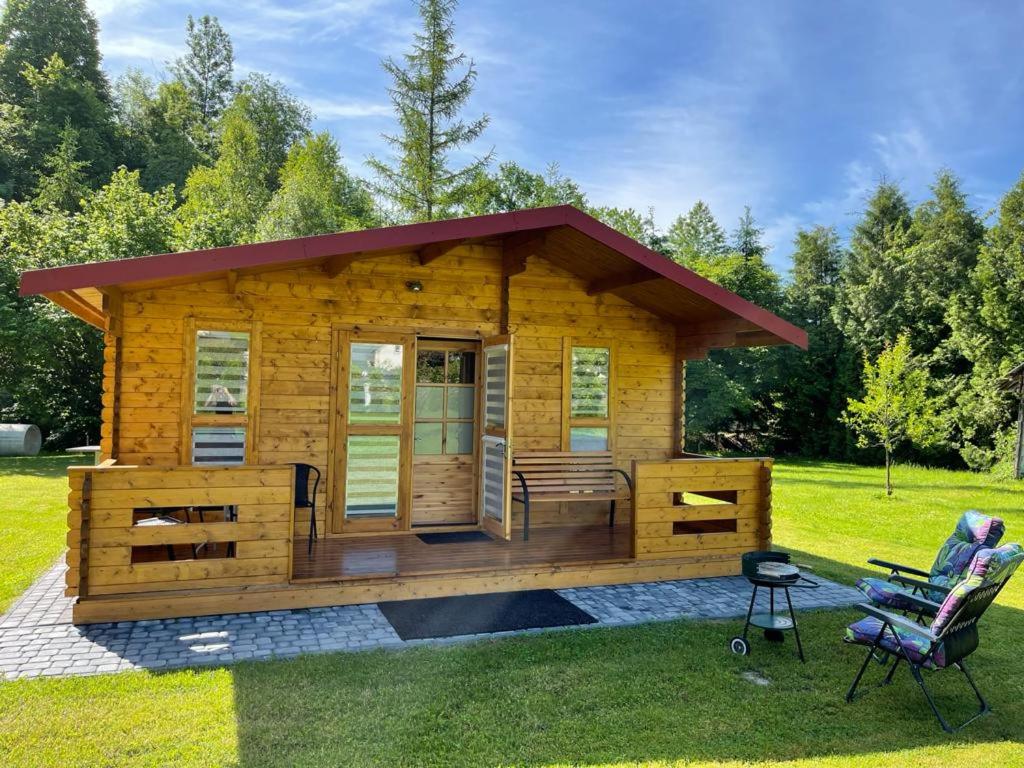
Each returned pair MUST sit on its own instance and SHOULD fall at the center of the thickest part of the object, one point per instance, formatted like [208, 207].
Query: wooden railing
[225, 526]
[701, 506]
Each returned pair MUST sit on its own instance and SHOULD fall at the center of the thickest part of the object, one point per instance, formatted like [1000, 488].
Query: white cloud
[906, 155]
[327, 109]
[140, 47]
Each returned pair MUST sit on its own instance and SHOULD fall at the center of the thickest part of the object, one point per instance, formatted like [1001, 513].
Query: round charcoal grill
[771, 571]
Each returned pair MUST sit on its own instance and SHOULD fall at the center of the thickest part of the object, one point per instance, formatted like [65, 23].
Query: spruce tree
[61, 99]
[871, 308]
[206, 71]
[987, 319]
[428, 94]
[947, 235]
[815, 384]
[696, 236]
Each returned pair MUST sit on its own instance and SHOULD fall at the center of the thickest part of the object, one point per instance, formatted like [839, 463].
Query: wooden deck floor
[406, 555]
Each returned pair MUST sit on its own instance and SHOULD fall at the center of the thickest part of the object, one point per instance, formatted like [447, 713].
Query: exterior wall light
[414, 285]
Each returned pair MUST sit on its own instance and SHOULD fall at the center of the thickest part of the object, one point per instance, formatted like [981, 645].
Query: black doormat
[478, 614]
[453, 537]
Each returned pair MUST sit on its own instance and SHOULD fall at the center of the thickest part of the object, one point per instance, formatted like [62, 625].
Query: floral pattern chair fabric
[952, 634]
[974, 530]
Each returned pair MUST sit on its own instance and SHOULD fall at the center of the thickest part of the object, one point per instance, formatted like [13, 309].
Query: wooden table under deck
[360, 557]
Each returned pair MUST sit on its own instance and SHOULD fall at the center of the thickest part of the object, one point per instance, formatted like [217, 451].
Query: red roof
[576, 241]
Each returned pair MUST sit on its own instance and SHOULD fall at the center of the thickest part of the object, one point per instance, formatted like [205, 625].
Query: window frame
[446, 348]
[248, 421]
[568, 421]
[340, 429]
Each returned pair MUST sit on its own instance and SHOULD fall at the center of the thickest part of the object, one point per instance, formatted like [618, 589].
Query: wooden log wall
[705, 506]
[547, 305]
[103, 502]
[296, 311]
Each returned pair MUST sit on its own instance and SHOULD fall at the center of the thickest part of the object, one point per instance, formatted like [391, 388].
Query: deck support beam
[679, 398]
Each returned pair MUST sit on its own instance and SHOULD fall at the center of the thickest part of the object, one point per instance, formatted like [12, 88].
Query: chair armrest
[925, 606]
[919, 584]
[898, 568]
[522, 481]
[897, 621]
[627, 478]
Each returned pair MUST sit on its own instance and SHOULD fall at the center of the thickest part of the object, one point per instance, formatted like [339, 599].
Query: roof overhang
[707, 315]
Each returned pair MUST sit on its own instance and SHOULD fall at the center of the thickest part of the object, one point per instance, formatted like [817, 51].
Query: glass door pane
[375, 384]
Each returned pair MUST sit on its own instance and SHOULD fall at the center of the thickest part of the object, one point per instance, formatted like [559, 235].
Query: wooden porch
[230, 542]
[391, 556]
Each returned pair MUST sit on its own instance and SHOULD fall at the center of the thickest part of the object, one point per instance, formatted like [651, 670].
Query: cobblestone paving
[38, 639]
[717, 598]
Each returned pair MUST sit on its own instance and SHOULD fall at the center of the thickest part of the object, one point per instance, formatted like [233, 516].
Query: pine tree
[428, 96]
[206, 71]
[747, 237]
[696, 236]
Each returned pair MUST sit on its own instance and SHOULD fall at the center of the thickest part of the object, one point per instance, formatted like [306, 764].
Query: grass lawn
[656, 695]
[33, 519]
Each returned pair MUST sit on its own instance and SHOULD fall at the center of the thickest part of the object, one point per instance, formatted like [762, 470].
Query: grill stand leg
[796, 632]
[750, 612]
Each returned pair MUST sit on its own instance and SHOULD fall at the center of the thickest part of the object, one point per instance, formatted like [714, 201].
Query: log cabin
[291, 424]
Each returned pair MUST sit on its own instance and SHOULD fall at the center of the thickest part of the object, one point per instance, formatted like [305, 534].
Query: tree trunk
[888, 471]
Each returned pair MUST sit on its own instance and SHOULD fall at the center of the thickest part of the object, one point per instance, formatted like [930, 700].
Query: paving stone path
[37, 637]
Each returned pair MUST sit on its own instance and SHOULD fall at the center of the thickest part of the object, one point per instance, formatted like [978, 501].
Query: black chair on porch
[306, 500]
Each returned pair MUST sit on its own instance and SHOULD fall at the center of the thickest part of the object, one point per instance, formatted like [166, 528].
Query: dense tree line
[93, 170]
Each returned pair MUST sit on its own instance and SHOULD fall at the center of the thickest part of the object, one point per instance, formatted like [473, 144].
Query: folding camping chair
[973, 531]
[952, 635]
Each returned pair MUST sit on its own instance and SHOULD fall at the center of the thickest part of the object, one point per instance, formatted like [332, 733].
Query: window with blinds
[222, 372]
[221, 402]
[495, 386]
[492, 482]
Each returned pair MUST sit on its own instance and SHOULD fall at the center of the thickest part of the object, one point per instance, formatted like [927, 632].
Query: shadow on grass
[40, 466]
[658, 692]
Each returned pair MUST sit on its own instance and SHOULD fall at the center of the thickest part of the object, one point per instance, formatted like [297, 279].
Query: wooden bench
[565, 476]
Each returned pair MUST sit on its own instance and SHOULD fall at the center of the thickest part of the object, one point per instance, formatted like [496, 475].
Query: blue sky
[794, 108]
